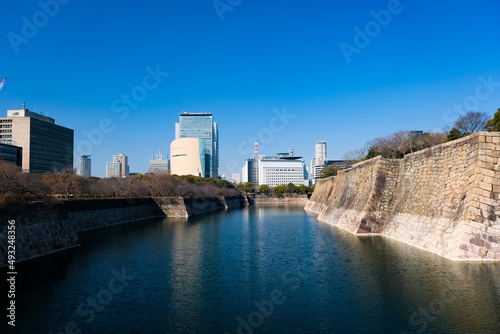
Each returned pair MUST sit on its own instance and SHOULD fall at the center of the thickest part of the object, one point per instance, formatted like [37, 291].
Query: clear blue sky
[263, 56]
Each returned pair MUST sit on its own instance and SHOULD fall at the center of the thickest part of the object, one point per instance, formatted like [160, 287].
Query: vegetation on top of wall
[17, 187]
[278, 190]
[200, 180]
[331, 170]
[400, 143]
[468, 124]
[494, 123]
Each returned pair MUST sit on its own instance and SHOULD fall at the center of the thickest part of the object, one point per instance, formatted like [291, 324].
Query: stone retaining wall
[44, 228]
[444, 199]
[293, 199]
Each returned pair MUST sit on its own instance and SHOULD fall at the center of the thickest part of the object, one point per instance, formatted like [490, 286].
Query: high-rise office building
[320, 153]
[188, 156]
[84, 166]
[46, 147]
[201, 125]
[119, 167]
[123, 159]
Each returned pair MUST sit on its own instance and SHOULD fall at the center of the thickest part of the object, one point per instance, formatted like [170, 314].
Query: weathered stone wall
[191, 206]
[287, 199]
[172, 206]
[45, 228]
[444, 199]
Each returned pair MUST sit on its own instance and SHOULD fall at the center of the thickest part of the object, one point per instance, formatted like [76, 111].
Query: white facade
[320, 156]
[317, 170]
[187, 157]
[274, 171]
[113, 169]
[84, 165]
[236, 178]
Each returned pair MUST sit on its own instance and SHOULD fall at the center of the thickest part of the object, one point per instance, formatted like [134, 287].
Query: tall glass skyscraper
[200, 125]
[84, 165]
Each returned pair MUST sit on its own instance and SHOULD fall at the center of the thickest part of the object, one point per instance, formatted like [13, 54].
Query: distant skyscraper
[84, 166]
[119, 166]
[200, 125]
[321, 153]
[123, 159]
[158, 164]
[46, 147]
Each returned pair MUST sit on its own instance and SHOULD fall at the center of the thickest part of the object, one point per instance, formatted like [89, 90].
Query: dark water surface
[257, 270]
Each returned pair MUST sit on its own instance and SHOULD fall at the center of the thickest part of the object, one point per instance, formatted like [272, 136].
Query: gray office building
[84, 166]
[46, 146]
[201, 125]
[159, 166]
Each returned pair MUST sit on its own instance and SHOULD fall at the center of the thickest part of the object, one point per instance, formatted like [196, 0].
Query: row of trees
[398, 144]
[281, 189]
[17, 187]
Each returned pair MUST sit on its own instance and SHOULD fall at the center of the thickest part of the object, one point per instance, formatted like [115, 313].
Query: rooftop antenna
[256, 149]
[24, 105]
[160, 156]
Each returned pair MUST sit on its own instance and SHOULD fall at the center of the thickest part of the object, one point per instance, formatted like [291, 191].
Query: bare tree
[391, 146]
[17, 187]
[356, 154]
[472, 122]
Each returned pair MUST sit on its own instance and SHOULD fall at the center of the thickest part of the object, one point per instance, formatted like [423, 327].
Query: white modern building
[188, 157]
[84, 165]
[119, 167]
[319, 161]
[320, 156]
[201, 125]
[284, 168]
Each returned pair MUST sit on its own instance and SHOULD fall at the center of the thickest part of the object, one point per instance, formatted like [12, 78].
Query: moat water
[257, 270]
